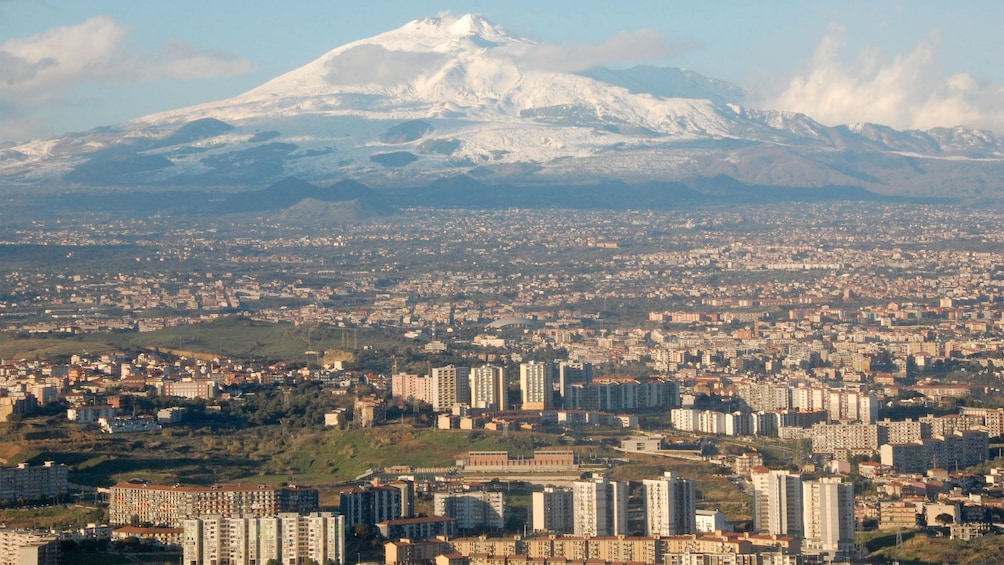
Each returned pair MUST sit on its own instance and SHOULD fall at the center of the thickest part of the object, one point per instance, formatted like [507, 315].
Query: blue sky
[70, 65]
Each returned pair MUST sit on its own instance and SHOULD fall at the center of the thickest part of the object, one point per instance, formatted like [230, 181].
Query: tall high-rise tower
[450, 385]
[571, 372]
[553, 510]
[777, 502]
[828, 515]
[670, 506]
[536, 385]
[600, 507]
[488, 387]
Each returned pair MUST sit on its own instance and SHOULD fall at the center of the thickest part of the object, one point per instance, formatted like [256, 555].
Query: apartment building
[670, 505]
[600, 507]
[30, 483]
[370, 504]
[777, 502]
[536, 385]
[161, 505]
[489, 387]
[553, 510]
[828, 514]
[473, 510]
[286, 538]
[19, 547]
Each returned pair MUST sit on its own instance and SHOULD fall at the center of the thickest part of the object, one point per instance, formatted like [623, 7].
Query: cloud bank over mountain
[622, 48]
[45, 70]
[905, 91]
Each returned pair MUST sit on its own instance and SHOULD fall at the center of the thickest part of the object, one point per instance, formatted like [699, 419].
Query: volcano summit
[450, 96]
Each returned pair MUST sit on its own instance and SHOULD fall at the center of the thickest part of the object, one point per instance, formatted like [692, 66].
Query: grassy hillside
[225, 337]
[262, 454]
[921, 548]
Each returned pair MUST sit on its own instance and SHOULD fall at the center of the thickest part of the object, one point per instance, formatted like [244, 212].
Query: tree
[944, 519]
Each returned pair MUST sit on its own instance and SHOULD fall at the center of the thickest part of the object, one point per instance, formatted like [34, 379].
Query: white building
[670, 506]
[553, 510]
[287, 538]
[473, 510]
[536, 384]
[828, 516]
[488, 387]
[90, 414]
[710, 521]
[777, 502]
[128, 425]
[600, 507]
[19, 547]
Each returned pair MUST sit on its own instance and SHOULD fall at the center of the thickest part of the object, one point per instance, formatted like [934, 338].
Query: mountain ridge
[448, 96]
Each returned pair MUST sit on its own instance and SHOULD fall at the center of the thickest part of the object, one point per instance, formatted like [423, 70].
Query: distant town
[806, 384]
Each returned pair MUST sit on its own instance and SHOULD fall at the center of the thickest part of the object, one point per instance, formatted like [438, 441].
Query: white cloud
[905, 91]
[373, 64]
[624, 47]
[43, 70]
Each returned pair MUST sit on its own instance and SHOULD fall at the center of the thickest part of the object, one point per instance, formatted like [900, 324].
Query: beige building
[28, 548]
[777, 502]
[160, 505]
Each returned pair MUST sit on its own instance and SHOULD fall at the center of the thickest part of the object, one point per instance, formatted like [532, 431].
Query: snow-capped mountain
[445, 96]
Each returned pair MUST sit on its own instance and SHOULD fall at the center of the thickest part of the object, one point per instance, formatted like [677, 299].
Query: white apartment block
[536, 385]
[600, 507]
[828, 516]
[670, 506]
[288, 538]
[777, 503]
[90, 414]
[553, 510]
[19, 547]
[488, 387]
[473, 509]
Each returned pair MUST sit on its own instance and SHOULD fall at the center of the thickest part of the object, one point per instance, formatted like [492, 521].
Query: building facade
[777, 502]
[286, 538]
[473, 510]
[828, 516]
[370, 504]
[28, 548]
[536, 385]
[488, 388]
[450, 385]
[553, 510]
[600, 507]
[670, 505]
[159, 505]
[32, 483]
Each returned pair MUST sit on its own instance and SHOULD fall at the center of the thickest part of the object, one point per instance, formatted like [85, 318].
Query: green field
[226, 337]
